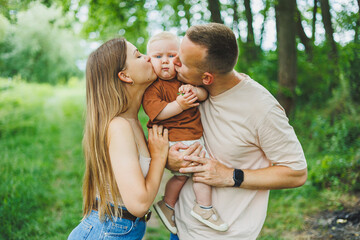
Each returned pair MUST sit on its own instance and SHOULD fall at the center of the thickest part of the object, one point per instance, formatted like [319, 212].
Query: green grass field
[42, 166]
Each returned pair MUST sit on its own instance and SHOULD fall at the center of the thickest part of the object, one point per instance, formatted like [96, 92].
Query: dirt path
[338, 225]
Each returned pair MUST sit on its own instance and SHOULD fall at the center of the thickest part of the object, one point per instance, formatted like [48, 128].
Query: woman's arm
[137, 192]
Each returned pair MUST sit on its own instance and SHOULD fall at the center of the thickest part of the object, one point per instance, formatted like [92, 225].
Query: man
[246, 131]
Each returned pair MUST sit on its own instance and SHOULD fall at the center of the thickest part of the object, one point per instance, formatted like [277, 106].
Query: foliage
[40, 47]
[111, 18]
[10, 8]
[42, 164]
[337, 161]
[41, 125]
[4, 26]
[332, 141]
[264, 70]
[350, 62]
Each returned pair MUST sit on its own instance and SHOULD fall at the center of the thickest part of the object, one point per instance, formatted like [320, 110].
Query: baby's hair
[163, 36]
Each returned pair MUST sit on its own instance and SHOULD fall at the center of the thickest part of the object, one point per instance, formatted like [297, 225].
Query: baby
[170, 103]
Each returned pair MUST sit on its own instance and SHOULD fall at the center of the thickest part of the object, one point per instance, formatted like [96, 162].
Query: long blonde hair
[106, 98]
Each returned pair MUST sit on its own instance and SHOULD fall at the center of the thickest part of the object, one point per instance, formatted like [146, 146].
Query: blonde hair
[106, 98]
[163, 36]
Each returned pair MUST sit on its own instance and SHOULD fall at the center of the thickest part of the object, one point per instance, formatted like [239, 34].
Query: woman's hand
[158, 143]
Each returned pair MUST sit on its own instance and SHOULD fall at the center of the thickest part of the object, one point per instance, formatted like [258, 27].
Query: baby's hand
[187, 88]
[188, 100]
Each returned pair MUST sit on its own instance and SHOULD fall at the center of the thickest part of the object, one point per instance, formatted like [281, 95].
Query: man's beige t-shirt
[244, 127]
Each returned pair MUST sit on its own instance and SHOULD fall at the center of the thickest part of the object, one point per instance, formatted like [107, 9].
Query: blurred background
[305, 52]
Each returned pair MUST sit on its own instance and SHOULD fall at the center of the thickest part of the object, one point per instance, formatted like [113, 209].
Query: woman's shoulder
[119, 125]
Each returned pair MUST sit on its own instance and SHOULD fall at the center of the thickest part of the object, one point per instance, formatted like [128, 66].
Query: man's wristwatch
[238, 177]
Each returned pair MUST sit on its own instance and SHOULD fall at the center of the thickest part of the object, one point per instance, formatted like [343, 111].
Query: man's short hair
[221, 45]
[163, 36]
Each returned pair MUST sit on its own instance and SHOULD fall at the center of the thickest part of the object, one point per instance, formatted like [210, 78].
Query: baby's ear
[125, 77]
[207, 78]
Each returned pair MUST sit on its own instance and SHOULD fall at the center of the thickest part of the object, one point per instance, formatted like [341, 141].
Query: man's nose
[177, 61]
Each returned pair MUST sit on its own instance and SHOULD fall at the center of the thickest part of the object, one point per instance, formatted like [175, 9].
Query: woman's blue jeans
[120, 228]
[173, 237]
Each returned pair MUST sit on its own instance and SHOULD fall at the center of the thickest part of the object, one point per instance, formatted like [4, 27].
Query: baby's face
[162, 53]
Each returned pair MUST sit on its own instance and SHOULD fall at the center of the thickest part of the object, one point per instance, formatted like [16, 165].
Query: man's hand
[176, 157]
[209, 171]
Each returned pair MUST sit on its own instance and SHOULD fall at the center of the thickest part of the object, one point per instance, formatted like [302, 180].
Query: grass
[42, 163]
[42, 166]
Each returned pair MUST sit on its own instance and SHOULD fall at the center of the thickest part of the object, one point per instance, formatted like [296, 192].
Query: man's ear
[124, 77]
[207, 78]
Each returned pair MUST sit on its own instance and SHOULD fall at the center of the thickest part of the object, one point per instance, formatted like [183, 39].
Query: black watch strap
[238, 177]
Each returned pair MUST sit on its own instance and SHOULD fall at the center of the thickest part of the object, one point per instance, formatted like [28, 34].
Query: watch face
[238, 177]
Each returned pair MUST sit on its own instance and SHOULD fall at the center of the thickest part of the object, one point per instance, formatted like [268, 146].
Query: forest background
[305, 52]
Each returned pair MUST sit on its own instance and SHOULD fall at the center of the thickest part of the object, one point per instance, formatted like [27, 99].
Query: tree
[304, 39]
[250, 49]
[10, 8]
[314, 21]
[249, 20]
[357, 27]
[264, 13]
[214, 7]
[40, 47]
[287, 71]
[187, 11]
[112, 18]
[329, 31]
[235, 16]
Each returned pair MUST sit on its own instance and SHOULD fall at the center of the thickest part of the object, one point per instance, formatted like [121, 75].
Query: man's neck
[222, 83]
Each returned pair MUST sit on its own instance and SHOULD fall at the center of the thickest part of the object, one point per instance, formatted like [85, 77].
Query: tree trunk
[314, 21]
[251, 50]
[187, 11]
[214, 7]
[357, 28]
[236, 18]
[265, 11]
[249, 19]
[286, 30]
[326, 17]
[303, 37]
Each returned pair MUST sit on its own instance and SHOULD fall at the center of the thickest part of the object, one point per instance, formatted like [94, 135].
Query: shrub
[40, 46]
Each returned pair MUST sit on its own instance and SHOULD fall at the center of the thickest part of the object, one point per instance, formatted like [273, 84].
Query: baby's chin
[167, 76]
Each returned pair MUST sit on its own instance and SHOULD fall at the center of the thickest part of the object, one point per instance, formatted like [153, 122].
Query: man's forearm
[274, 177]
[214, 173]
[201, 94]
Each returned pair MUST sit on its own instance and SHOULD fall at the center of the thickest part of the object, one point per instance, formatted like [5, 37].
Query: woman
[120, 182]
